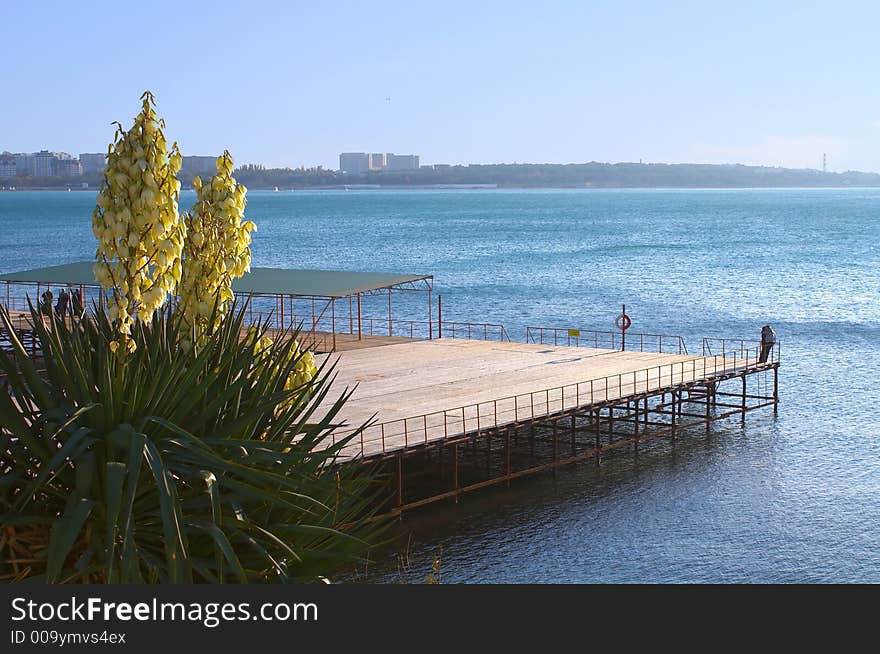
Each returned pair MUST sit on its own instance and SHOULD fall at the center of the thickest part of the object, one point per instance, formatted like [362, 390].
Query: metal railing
[384, 437]
[610, 340]
[741, 347]
[483, 331]
[322, 329]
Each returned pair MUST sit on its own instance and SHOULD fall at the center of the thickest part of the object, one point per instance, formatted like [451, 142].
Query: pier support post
[775, 390]
[532, 439]
[573, 434]
[610, 424]
[455, 470]
[507, 456]
[708, 407]
[488, 454]
[555, 446]
[744, 397]
[636, 425]
[399, 481]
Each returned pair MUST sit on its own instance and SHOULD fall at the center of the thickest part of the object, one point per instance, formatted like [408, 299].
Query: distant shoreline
[592, 175]
[483, 187]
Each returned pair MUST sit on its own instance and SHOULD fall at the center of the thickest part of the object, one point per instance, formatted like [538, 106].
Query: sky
[296, 83]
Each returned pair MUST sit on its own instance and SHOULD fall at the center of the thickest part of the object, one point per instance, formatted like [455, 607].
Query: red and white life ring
[623, 322]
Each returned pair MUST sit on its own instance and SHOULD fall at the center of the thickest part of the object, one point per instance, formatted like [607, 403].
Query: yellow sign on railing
[574, 333]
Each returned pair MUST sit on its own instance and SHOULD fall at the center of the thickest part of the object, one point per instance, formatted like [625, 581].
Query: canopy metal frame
[284, 316]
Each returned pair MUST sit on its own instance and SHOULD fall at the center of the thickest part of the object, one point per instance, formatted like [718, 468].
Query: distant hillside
[588, 175]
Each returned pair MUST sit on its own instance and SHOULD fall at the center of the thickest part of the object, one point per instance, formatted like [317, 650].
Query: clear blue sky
[292, 83]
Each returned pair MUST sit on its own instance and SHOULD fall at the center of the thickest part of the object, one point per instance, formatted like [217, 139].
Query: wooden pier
[446, 416]
[449, 415]
[451, 407]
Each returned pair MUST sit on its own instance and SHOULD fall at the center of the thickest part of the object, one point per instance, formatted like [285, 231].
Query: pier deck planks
[401, 383]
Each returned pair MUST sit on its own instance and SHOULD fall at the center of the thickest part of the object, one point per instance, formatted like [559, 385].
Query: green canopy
[268, 281]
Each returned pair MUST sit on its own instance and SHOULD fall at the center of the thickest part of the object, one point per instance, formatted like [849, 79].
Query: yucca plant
[172, 466]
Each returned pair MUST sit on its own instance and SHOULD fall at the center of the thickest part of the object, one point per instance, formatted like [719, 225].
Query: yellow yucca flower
[216, 239]
[136, 219]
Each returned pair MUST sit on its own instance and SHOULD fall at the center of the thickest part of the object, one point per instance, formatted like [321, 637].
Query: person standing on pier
[77, 310]
[768, 340]
[46, 305]
[61, 306]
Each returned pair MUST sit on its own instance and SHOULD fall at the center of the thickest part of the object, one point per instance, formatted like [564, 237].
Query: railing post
[390, 323]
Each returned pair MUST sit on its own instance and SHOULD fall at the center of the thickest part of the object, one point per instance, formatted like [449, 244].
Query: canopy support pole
[333, 321]
[430, 316]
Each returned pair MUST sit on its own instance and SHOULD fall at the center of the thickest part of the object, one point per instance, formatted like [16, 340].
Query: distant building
[395, 162]
[92, 163]
[199, 165]
[357, 163]
[44, 163]
[7, 166]
[377, 161]
[24, 164]
[354, 163]
[68, 168]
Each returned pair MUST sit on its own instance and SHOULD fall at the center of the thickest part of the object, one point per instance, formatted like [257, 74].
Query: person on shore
[61, 306]
[45, 305]
[77, 310]
[768, 340]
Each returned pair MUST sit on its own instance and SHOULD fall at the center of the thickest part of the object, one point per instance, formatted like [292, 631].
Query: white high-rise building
[92, 163]
[199, 165]
[354, 163]
[7, 166]
[24, 164]
[44, 163]
[377, 161]
[68, 167]
[401, 161]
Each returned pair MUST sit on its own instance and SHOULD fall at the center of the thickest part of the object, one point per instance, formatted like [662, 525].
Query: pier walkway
[424, 391]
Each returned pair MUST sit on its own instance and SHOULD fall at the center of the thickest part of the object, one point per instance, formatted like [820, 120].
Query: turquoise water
[790, 498]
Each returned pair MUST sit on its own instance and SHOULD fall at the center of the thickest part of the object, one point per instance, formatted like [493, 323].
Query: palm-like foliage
[168, 466]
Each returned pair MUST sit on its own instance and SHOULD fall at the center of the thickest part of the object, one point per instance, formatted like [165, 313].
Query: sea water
[787, 498]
